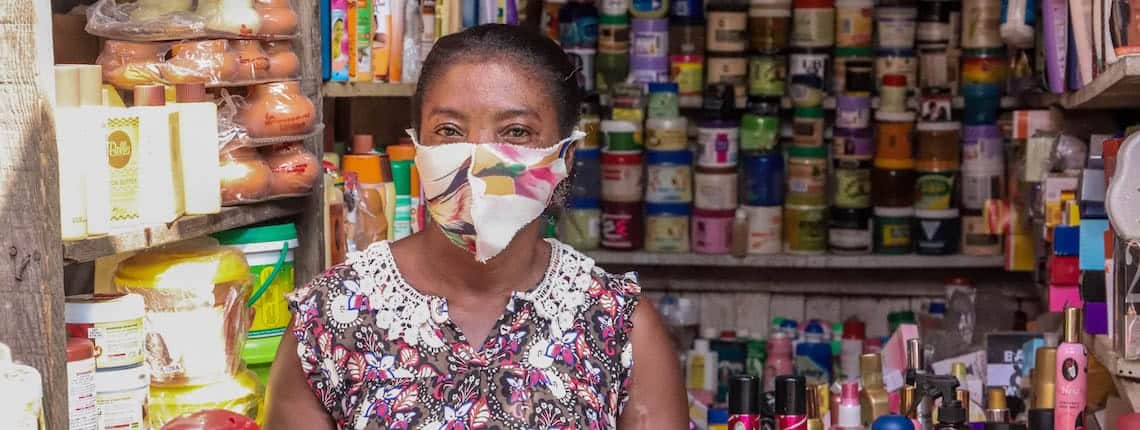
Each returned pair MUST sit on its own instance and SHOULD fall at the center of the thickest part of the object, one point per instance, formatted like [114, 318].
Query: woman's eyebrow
[454, 113]
[512, 113]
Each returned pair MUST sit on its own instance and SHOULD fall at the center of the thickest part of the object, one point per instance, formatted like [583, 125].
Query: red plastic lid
[212, 419]
[960, 281]
[621, 157]
[822, 4]
[710, 213]
[80, 349]
[854, 329]
[894, 80]
[728, 334]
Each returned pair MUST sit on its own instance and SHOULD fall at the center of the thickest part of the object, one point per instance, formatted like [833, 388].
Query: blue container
[982, 103]
[763, 179]
[586, 181]
[892, 422]
[813, 355]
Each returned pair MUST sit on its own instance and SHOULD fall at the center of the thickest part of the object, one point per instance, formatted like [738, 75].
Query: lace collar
[406, 314]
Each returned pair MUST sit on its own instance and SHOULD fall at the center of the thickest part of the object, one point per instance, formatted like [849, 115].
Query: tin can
[667, 227]
[851, 184]
[769, 23]
[622, 176]
[613, 33]
[580, 227]
[807, 176]
[667, 134]
[765, 226]
[813, 23]
[805, 229]
[766, 75]
[934, 187]
[892, 230]
[712, 231]
[896, 27]
[758, 132]
[670, 176]
[981, 21]
[715, 189]
[977, 239]
[688, 71]
[849, 231]
[583, 60]
[623, 226]
[730, 70]
[718, 143]
[897, 62]
[855, 144]
[853, 112]
[763, 179]
[807, 127]
[938, 232]
[854, 22]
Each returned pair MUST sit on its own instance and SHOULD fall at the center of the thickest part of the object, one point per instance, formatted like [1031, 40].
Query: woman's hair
[508, 44]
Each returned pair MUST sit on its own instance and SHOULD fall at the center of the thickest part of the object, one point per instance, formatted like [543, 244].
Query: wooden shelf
[798, 261]
[1124, 372]
[1116, 87]
[187, 227]
[367, 89]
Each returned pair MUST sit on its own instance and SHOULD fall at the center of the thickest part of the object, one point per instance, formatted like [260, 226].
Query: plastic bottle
[791, 403]
[850, 416]
[1071, 377]
[367, 222]
[700, 367]
[160, 194]
[69, 145]
[744, 401]
[813, 356]
[915, 366]
[21, 394]
[402, 162]
[779, 360]
[852, 347]
[1044, 389]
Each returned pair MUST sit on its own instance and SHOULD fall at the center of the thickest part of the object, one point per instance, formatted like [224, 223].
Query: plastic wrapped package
[245, 176]
[216, 63]
[202, 61]
[1070, 153]
[293, 170]
[130, 64]
[212, 419]
[277, 109]
[284, 62]
[196, 319]
[240, 394]
[155, 20]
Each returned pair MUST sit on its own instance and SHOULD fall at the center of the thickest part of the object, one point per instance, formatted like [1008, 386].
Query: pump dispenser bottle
[744, 400]
[1044, 372]
[791, 403]
[1071, 377]
[874, 399]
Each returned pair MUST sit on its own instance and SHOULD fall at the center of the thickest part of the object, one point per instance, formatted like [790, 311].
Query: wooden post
[310, 223]
[31, 267]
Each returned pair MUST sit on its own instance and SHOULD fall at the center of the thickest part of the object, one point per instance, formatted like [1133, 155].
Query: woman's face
[488, 102]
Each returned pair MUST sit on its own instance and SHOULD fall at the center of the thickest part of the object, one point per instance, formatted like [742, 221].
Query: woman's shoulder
[576, 264]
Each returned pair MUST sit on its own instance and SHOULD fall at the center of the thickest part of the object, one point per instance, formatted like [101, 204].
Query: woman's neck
[447, 268]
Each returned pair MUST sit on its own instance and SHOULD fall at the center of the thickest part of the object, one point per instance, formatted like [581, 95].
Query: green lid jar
[759, 132]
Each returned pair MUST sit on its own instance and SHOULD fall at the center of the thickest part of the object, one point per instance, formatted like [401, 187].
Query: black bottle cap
[744, 397]
[951, 412]
[1041, 419]
[791, 395]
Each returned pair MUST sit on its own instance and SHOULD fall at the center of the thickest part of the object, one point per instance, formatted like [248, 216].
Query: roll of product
[807, 176]
[612, 69]
[807, 127]
[763, 178]
[977, 239]
[687, 37]
[982, 103]
[982, 147]
[935, 105]
[765, 229]
[984, 66]
[938, 141]
[580, 227]
[809, 62]
[891, 230]
[893, 138]
[586, 183]
[896, 27]
[113, 324]
[849, 231]
[934, 185]
[688, 71]
[766, 75]
[121, 397]
[667, 134]
[759, 132]
[663, 100]
[935, 68]
[981, 21]
[613, 33]
[892, 97]
[854, 71]
[979, 185]
[622, 176]
[851, 184]
[769, 23]
[855, 144]
[712, 231]
[682, 10]
[715, 189]
[937, 232]
[718, 143]
[670, 176]
[892, 182]
[813, 23]
[619, 135]
[623, 226]
[853, 23]
[583, 60]
[934, 22]
[805, 229]
[667, 227]
[853, 112]
[897, 62]
[730, 70]
[727, 30]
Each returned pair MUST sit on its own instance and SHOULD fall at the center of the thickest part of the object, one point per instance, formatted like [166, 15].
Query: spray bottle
[952, 413]
[791, 403]
[916, 365]
[744, 400]
[1071, 376]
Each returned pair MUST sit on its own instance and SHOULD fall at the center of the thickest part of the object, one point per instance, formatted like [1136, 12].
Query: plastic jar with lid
[935, 70]
[763, 178]
[896, 27]
[649, 8]
[807, 176]
[614, 7]
[580, 224]
[667, 134]
[805, 229]
[612, 68]
[982, 103]
[623, 178]
[893, 137]
[938, 141]
[853, 112]
[663, 100]
[667, 227]
[669, 176]
[712, 231]
[849, 231]
[807, 127]
[892, 182]
[984, 66]
[813, 23]
[897, 62]
[769, 22]
[759, 132]
[849, 143]
[983, 147]
[727, 27]
[613, 33]
[981, 24]
[937, 232]
[715, 189]
[934, 185]
[853, 72]
[688, 71]
[623, 225]
[851, 183]
[718, 143]
[766, 75]
[619, 135]
[892, 94]
[687, 36]
[854, 23]
[891, 229]
[586, 183]
[730, 69]
[934, 22]
[686, 10]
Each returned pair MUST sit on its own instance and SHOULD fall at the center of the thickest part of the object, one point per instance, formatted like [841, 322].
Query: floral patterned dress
[381, 355]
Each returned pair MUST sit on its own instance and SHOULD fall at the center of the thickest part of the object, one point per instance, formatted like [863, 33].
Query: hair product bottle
[850, 414]
[1041, 416]
[1071, 376]
[791, 403]
[744, 399]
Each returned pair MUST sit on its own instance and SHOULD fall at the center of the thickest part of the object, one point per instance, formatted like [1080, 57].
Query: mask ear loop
[411, 132]
[565, 144]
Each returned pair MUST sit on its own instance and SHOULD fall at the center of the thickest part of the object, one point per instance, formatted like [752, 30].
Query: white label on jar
[122, 409]
[117, 343]
[849, 239]
[765, 230]
[621, 182]
[615, 7]
[650, 44]
[808, 64]
[81, 411]
[936, 32]
[855, 118]
[715, 191]
[717, 147]
[667, 233]
[983, 151]
[896, 27]
[670, 183]
[935, 70]
[813, 27]
[978, 188]
[726, 31]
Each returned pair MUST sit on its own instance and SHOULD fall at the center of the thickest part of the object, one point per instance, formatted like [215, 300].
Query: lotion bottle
[1070, 376]
[700, 367]
[160, 194]
[97, 173]
[72, 207]
[850, 414]
[198, 149]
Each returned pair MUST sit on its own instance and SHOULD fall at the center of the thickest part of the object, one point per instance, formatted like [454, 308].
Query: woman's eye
[448, 132]
[517, 132]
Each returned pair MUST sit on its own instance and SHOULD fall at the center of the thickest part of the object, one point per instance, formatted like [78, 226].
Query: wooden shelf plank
[367, 89]
[798, 261]
[187, 227]
[1116, 87]
[1124, 372]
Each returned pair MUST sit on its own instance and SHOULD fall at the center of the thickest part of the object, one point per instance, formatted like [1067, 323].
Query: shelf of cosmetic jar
[368, 89]
[823, 261]
[185, 227]
[1124, 372]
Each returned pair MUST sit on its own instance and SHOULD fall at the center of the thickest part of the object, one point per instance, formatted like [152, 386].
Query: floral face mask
[482, 194]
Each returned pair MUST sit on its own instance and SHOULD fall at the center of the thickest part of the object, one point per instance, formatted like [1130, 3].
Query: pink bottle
[1071, 376]
[850, 414]
[779, 361]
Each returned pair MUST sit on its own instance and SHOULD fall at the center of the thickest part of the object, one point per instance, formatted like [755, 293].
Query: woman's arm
[290, 402]
[657, 393]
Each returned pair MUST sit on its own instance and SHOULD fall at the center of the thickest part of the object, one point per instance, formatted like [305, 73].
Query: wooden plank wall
[31, 269]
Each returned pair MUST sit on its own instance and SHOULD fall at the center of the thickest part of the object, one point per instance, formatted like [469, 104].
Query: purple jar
[649, 50]
[853, 143]
[853, 112]
[982, 147]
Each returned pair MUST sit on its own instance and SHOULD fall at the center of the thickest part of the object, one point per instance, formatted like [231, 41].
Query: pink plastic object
[1061, 296]
[214, 419]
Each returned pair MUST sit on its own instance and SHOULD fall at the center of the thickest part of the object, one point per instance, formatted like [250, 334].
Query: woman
[394, 338]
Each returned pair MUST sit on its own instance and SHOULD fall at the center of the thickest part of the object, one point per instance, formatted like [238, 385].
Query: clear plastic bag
[245, 176]
[216, 62]
[293, 170]
[156, 20]
[277, 109]
[130, 64]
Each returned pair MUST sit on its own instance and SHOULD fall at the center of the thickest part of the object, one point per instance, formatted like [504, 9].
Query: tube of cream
[1055, 14]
